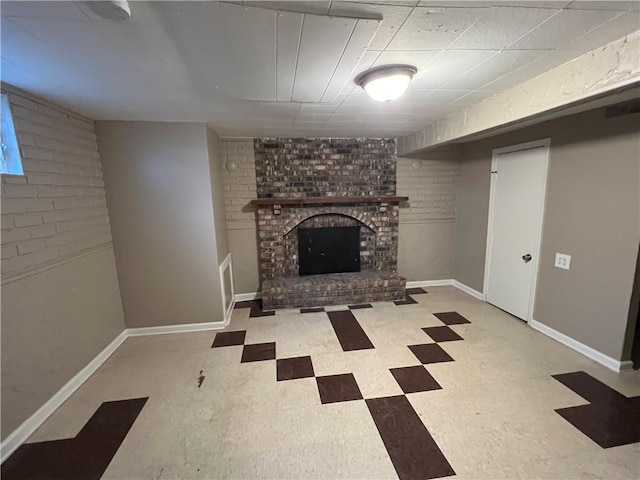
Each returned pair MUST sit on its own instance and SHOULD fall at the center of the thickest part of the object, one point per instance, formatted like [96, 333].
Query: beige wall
[159, 194]
[592, 212]
[60, 298]
[217, 192]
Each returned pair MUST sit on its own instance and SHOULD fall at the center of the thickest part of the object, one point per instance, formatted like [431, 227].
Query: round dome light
[387, 82]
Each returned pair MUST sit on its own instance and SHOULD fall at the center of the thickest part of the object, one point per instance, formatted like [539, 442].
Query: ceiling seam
[295, 70]
[344, 49]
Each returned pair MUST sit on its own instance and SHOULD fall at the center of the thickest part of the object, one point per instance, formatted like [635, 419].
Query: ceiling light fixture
[111, 9]
[387, 82]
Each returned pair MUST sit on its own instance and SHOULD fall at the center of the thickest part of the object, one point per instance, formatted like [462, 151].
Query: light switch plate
[563, 261]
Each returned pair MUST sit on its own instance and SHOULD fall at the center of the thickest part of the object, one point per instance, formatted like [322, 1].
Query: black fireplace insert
[328, 250]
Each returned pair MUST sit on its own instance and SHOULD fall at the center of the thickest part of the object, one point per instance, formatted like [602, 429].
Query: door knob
[526, 258]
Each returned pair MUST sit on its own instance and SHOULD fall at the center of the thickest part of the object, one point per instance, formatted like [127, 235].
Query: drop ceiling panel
[50, 10]
[563, 28]
[429, 30]
[417, 58]
[501, 26]
[289, 29]
[321, 46]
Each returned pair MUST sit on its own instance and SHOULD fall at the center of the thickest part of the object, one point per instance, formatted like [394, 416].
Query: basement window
[10, 160]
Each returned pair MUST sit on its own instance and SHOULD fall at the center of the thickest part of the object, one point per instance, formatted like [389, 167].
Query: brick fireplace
[320, 183]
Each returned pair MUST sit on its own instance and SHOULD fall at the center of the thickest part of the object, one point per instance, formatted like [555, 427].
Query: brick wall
[57, 210]
[326, 167]
[431, 184]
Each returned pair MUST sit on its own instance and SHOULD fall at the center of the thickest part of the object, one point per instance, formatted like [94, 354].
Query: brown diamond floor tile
[227, 339]
[292, 368]
[247, 304]
[256, 310]
[415, 291]
[312, 310]
[451, 318]
[338, 388]
[414, 379]
[442, 334]
[430, 353]
[357, 307]
[258, 352]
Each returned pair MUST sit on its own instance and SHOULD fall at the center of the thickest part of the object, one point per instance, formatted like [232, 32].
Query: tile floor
[436, 386]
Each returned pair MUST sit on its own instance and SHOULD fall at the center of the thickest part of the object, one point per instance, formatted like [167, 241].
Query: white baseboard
[184, 328]
[593, 354]
[430, 283]
[24, 431]
[469, 290]
[243, 297]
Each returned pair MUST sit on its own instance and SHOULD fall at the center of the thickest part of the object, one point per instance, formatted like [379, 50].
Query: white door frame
[545, 143]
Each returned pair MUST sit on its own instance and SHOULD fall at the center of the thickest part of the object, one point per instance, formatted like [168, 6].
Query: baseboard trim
[184, 328]
[430, 283]
[243, 297]
[592, 353]
[468, 290]
[24, 431]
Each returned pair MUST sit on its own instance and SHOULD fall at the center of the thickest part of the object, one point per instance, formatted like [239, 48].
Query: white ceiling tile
[472, 98]
[351, 57]
[402, 3]
[307, 6]
[417, 58]
[50, 10]
[501, 26]
[532, 3]
[454, 3]
[543, 64]
[604, 5]
[252, 39]
[562, 28]
[288, 39]
[449, 65]
[393, 17]
[366, 62]
[444, 97]
[426, 30]
[495, 67]
[323, 41]
[612, 30]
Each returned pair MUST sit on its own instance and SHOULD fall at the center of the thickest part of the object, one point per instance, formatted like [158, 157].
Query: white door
[519, 176]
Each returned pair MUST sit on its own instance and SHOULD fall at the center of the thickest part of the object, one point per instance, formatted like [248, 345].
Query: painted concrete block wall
[426, 243]
[60, 294]
[592, 213]
[239, 173]
[159, 194]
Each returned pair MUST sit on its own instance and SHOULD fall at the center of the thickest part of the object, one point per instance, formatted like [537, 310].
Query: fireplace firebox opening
[328, 250]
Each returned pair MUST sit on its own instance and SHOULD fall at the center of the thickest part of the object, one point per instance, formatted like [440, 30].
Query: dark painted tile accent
[442, 334]
[413, 452]
[363, 305]
[414, 379]
[430, 353]
[610, 420]
[247, 304]
[86, 456]
[408, 301]
[312, 310]
[338, 388]
[451, 318]
[349, 332]
[258, 352]
[227, 339]
[415, 291]
[292, 368]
